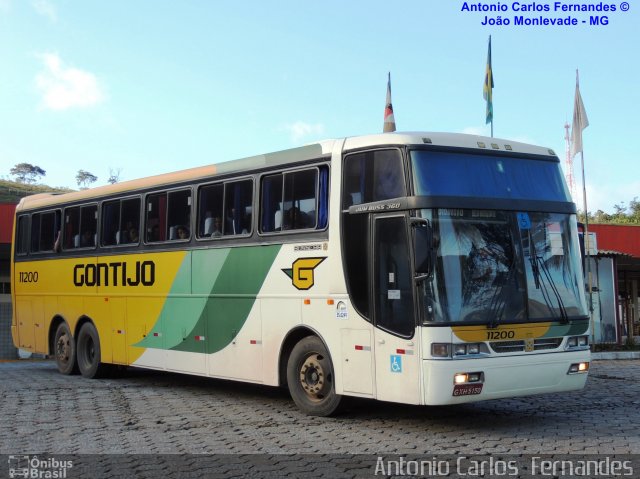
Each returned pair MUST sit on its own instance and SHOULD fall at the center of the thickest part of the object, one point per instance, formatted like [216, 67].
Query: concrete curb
[615, 355]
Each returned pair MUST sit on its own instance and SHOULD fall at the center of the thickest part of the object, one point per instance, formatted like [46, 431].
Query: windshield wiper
[537, 264]
[563, 312]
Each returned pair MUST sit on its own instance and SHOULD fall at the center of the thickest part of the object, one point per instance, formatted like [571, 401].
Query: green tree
[622, 215]
[27, 173]
[84, 178]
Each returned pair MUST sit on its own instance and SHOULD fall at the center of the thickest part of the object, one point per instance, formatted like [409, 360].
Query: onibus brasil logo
[301, 272]
[33, 467]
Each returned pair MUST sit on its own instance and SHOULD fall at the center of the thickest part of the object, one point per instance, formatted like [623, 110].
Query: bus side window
[300, 188]
[88, 225]
[238, 200]
[169, 216]
[22, 241]
[156, 217]
[295, 200]
[120, 222]
[372, 176]
[271, 203]
[179, 215]
[45, 231]
[110, 224]
[80, 226]
[71, 229]
[130, 221]
[210, 200]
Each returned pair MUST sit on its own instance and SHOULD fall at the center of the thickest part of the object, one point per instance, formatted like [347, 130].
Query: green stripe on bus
[211, 296]
[232, 296]
[575, 328]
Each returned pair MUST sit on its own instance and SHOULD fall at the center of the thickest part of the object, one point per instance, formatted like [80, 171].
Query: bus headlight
[464, 349]
[459, 349]
[473, 349]
[581, 342]
[440, 350]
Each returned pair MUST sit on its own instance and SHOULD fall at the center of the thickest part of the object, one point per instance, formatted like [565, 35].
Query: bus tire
[64, 349]
[88, 352]
[310, 378]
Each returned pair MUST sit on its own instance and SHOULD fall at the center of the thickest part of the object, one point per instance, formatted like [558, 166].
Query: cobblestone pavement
[148, 412]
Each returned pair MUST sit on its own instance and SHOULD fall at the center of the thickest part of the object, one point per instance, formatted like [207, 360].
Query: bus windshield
[502, 266]
[437, 173]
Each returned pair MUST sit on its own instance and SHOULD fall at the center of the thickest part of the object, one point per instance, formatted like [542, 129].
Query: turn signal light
[440, 350]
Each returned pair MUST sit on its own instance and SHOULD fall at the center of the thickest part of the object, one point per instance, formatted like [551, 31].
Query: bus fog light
[460, 349]
[460, 378]
[578, 368]
[440, 350]
[466, 378]
[474, 377]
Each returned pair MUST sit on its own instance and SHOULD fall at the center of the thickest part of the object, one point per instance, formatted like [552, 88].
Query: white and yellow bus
[419, 268]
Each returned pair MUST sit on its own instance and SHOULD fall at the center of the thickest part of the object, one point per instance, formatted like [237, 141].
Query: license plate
[467, 389]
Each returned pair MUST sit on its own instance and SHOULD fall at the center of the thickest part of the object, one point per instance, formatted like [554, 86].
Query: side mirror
[423, 248]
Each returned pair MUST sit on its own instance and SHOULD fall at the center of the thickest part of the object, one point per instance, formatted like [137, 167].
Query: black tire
[88, 352]
[64, 350]
[310, 378]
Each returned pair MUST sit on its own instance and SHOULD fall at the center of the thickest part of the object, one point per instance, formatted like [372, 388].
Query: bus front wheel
[88, 352]
[65, 350]
[310, 378]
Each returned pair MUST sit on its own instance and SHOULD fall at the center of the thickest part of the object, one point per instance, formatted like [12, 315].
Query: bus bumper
[502, 377]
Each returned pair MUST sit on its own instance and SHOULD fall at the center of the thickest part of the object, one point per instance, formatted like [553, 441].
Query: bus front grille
[540, 344]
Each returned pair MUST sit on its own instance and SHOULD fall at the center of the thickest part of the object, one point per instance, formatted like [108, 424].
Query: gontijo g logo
[301, 272]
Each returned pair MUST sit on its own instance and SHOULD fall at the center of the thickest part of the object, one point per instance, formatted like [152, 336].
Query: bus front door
[396, 345]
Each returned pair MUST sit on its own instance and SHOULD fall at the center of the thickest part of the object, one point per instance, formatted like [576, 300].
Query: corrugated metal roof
[611, 253]
[621, 238]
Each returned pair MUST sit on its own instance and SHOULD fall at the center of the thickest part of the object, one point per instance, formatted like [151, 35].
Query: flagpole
[587, 243]
[580, 122]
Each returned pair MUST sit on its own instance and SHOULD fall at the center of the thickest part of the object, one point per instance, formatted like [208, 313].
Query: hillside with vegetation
[12, 191]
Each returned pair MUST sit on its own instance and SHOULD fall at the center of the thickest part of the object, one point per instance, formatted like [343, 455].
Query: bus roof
[284, 157]
[455, 140]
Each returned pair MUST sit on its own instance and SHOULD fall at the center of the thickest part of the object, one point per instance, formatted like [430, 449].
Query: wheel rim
[63, 348]
[88, 351]
[314, 377]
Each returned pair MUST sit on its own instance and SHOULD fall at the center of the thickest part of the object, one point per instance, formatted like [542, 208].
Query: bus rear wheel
[88, 352]
[64, 349]
[310, 378]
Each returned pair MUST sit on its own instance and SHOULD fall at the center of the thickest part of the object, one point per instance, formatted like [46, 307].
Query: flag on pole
[487, 91]
[580, 121]
[389, 120]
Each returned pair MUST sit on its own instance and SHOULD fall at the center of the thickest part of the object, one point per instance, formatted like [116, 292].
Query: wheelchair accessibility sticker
[396, 363]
